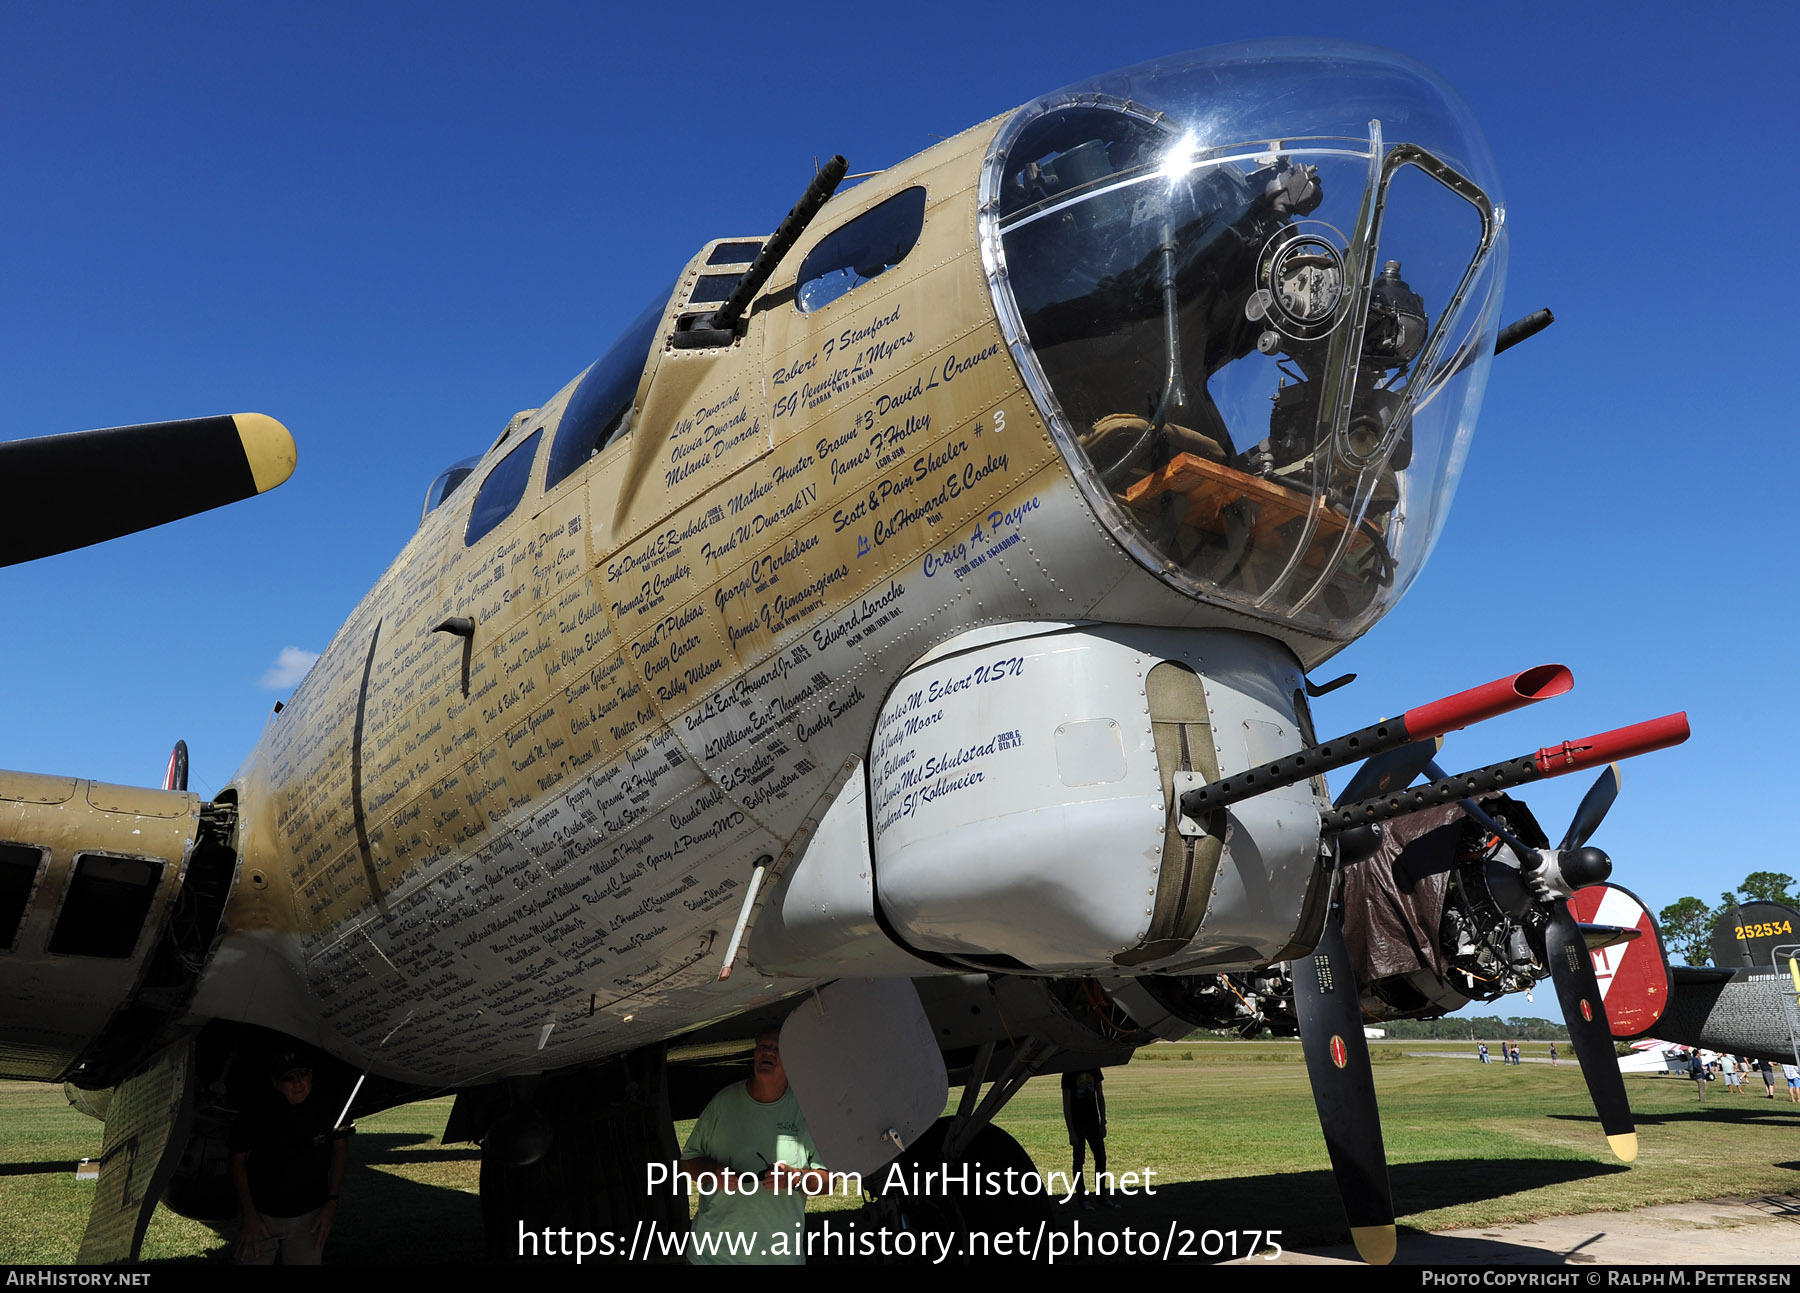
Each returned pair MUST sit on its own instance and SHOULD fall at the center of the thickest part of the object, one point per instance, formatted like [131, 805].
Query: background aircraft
[267, 590]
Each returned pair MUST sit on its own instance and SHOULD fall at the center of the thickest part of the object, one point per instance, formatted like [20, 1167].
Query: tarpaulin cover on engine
[1392, 911]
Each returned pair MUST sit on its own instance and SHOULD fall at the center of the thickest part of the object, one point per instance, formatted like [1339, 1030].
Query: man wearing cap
[754, 1163]
[287, 1166]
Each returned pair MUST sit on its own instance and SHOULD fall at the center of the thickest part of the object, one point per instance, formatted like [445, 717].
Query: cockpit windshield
[1255, 291]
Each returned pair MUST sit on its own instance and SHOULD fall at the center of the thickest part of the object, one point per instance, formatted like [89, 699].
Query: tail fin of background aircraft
[1748, 934]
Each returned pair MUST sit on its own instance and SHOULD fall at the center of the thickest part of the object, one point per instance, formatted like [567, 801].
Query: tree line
[1687, 923]
[1479, 1028]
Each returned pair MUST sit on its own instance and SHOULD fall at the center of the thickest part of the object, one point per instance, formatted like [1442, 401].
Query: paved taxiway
[1763, 1231]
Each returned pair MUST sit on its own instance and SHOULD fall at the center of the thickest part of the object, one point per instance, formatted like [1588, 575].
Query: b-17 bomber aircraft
[910, 612]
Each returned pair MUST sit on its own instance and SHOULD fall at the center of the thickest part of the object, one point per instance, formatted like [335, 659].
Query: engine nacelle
[109, 898]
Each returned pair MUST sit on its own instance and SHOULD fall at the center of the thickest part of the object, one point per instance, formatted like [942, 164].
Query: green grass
[1230, 1134]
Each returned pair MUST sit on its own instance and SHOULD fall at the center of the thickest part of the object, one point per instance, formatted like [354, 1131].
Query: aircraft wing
[1697, 975]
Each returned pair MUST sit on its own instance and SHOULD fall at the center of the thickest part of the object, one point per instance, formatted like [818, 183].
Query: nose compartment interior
[1261, 355]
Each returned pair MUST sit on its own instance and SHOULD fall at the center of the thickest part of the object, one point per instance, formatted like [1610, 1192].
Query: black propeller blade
[1593, 807]
[1572, 969]
[1327, 1003]
[1578, 990]
[1390, 771]
[68, 491]
[1328, 1006]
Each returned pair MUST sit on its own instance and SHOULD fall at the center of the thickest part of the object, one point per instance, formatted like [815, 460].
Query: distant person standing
[1084, 1114]
[1734, 1077]
[1697, 1074]
[1767, 1071]
[1482, 1051]
[1792, 1074]
[1552, 1054]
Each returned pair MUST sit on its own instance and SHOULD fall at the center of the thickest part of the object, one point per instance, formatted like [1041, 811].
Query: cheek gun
[1551, 761]
[1420, 723]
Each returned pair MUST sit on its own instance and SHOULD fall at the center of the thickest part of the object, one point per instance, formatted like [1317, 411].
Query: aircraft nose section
[1258, 326]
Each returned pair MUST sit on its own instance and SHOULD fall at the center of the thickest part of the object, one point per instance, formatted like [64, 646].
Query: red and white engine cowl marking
[1633, 976]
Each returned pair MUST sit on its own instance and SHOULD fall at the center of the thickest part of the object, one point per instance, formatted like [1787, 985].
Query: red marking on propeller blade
[1340, 1055]
[1587, 1011]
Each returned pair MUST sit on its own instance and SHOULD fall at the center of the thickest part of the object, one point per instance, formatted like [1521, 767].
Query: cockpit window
[446, 483]
[712, 288]
[502, 490]
[734, 253]
[600, 408]
[869, 245]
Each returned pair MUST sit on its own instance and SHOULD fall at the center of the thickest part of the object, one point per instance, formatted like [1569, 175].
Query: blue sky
[393, 225]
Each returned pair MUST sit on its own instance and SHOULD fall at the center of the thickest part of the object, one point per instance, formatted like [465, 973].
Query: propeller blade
[69, 491]
[1326, 1000]
[1579, 992]
[1599, 936]
[1390, 771]
[1526, 854]
[1593, 808]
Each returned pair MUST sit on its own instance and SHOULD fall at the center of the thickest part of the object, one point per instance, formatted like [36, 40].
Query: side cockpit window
[600, 408]
[502, 490]
[446, 483]
[869, 245]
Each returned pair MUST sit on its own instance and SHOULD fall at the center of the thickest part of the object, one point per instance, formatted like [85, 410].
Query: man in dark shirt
[287, 1166]
[1084, 1114]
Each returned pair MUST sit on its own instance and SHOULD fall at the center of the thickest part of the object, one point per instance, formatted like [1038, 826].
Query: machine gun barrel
[823, 185]
[1551, 761]
[1422, 721]
[1520, 329]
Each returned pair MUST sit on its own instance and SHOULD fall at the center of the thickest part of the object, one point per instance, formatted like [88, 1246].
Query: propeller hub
[1585, 866]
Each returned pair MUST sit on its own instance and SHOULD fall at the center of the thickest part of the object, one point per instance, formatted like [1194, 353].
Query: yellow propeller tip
[1374, 1244]
[268, 448]
[1625, 1146]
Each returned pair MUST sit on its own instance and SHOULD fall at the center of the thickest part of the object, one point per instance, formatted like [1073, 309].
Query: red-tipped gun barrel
[1551, 761]
[1501, 696]
[1608, 747]
[1434, 719]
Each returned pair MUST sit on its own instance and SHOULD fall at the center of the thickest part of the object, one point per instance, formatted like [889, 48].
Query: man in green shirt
[754, 1163]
